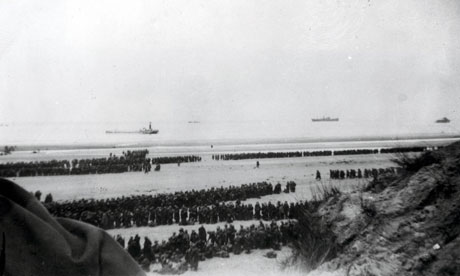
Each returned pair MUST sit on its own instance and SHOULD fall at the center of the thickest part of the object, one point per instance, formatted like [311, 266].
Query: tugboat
[325, 119]
[149, 130]
[443, 120]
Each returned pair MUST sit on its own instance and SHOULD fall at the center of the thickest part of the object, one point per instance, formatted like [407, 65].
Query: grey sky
[81, 60]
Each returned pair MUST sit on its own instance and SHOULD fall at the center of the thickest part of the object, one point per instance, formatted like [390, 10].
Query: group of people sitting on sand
[183, 250]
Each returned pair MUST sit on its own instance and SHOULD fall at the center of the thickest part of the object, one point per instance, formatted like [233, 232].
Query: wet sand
[221, 145]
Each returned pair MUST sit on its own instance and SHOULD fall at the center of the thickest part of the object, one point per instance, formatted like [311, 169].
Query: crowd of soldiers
[184, 250]
[403, 149]
[366, 173]
[356, 151]
[53, 167]
[221, 212]
[176, 159]
[290, 188]
[160, 209]
[129, 161]
[137, 161]
[262, 155]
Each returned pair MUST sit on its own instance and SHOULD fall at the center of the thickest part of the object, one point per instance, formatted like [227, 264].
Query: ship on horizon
[325, 119]
[443, 120]
[140, 131]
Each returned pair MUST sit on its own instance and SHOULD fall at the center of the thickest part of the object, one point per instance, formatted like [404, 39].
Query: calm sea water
[180, 133]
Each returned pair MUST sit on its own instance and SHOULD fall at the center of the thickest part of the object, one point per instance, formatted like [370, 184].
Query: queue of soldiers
[137, 161]
[403, 149]
[356, 151]
[184, 250]
[176, 159]
[159, 209]
[16, 169]
[221, 212]
[261, 155]
[366, 173]
[129, 161]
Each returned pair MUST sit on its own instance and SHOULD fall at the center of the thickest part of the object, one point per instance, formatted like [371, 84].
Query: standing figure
[318, 175]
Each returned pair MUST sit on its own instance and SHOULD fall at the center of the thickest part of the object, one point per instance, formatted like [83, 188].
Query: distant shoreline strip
[237, 142]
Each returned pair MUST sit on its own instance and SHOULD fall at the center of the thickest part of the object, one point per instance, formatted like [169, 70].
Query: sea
[61, 135]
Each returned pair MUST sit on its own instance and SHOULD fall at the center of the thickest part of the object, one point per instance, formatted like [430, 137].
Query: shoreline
[239, 142]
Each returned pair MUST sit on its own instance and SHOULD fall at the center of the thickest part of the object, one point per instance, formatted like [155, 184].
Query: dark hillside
[405, 225]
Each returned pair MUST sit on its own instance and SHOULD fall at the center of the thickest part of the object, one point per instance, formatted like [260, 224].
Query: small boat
[443, 120]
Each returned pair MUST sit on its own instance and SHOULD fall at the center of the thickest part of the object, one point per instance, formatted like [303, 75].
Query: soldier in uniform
[257, 211]
[318, 175]
[194, 237]
[194, 257]
[202, 233]
[147, 249]
[293, 184]
[121, 241]
[183, 216]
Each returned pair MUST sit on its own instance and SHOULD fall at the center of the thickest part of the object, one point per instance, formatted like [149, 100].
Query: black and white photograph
[242, 137]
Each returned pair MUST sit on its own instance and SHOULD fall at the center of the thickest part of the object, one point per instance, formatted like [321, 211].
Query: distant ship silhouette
[325, 119]
[140, 131]
[443, 120]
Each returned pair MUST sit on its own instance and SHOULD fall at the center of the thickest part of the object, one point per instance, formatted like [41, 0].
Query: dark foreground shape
[2, 256]
[39, 244]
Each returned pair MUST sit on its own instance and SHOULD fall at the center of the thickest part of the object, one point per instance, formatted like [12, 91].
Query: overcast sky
[111, 60]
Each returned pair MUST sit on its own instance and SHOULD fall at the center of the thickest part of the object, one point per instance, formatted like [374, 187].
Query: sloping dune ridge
[403, 225]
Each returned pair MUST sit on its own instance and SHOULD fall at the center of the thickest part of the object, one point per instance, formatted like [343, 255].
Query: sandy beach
[208, 173]
[211, 173]
[203, 175]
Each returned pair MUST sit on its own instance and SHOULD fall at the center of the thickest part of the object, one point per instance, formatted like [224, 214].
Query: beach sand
[206, 174]
[203, 175]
